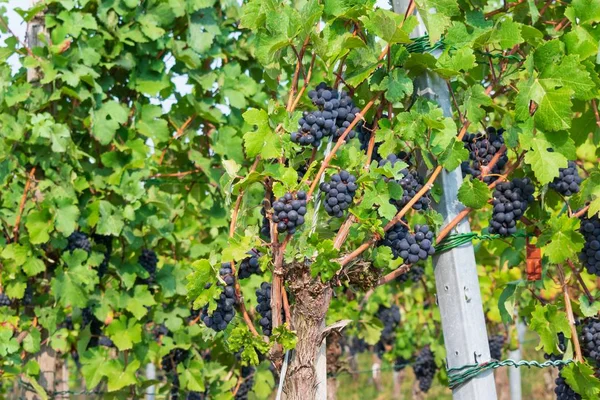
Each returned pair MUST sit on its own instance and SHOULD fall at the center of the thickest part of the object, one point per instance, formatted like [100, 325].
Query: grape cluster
[358, 345]
[78, 240]
[148, 260]
[411, 184]
[390, 317]
[174, 393]
[225, 311]
[289, 211]
[249, 265]
[568, 180]
[4, 300]
[590, 339]
[107, 242]
[563, 390]
[590, 254]
[496, 343]
[562, 346]
[364, 136]
[511, 199]
[414, 274]
[88, 318]
[161, 330]
[339, 192]
[410, 247]
[336, 113]
[28, 295]
[263, 296]
[105, 341]
[482, 148]
[425, 368]
[170, 361]
[195, 396]
[246, 385]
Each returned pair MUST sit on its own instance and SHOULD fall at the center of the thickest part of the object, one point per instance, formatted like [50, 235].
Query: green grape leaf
[107, 119]
[284, 336]
[39, 225]
[261, 141]
[475, 99]
[547, 321]
[545, 164]
[587, 309]
[325, 264]
[561, 239]
[581, 378]
[124, 333]
[474, 193]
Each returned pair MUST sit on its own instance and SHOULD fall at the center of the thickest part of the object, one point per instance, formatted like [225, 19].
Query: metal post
[321, 370]
[457, 284]
[514, 373]
[150, 375]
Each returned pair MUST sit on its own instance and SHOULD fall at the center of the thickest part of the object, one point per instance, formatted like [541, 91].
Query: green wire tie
[461, 375]
[458, 239]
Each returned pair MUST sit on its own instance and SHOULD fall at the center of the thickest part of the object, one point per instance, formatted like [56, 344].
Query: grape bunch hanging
[590, 254]
[410, 247]
[562, 347]
[496, 343]
[411, 184]
[78, 240]
[148, 260]
[482, 149]
[247, 383]
[590, 339]
[390, 318]
[568, 181]
[249, 265]
[511, 199]
[563, 391]
[225, 311]
[263, 297]
[336, 112]
[339, 192]
[425, 368]
[289, 211]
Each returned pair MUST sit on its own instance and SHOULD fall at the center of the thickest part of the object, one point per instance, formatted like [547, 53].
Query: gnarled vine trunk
[312, 300]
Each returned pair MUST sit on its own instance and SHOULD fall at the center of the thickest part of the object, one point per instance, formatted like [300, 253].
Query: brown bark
[47, 362]
[417, 394]
[312, 300]
[502, 385]
[333, 352]
[398, 378]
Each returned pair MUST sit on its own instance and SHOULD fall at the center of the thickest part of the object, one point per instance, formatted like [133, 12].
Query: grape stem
[581, 212]
[22, 204]
[504, 9]
[569, 310]
[299, 69]
[232, 225]
[180, 131]
[581, 282]
[595, 107]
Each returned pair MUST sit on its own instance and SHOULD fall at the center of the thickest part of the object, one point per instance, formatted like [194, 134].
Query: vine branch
[22, 204]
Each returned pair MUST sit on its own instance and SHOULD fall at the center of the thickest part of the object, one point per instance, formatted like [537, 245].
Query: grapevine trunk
[308, 313]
